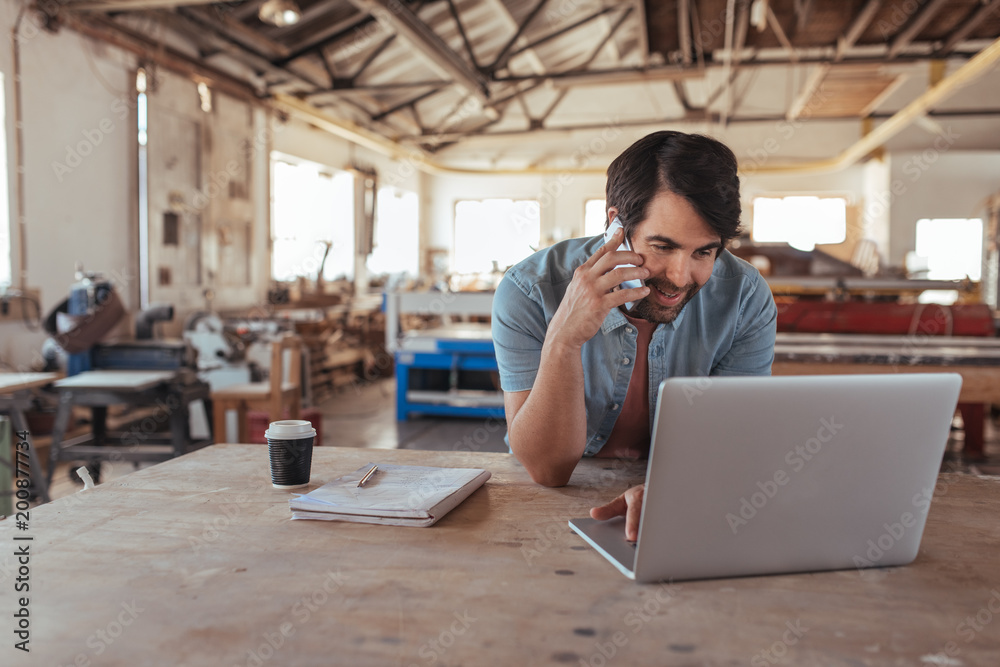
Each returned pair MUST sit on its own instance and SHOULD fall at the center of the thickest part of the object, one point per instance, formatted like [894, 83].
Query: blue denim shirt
[728, 328]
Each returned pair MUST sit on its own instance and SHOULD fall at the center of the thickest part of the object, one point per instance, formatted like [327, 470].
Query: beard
[651, 311]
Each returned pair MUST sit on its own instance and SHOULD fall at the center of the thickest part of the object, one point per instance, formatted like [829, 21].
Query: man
[579, 373]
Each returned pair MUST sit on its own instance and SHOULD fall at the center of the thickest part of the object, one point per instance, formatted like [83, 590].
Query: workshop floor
[365, 416]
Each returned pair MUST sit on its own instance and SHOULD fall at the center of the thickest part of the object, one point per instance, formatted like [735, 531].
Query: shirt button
[626, 361]
[615, 406]
[629, 330]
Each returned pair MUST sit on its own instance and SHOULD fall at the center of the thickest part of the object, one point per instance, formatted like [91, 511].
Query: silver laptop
[769, 475]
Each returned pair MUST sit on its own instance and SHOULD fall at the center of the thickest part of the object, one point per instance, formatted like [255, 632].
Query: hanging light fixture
[280, 12]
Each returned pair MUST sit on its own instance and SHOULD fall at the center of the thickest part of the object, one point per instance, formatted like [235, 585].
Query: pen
[367, 475]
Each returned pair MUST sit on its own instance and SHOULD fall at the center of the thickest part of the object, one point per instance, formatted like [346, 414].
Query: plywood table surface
[14, 382]
[195, 561]
[116, 380]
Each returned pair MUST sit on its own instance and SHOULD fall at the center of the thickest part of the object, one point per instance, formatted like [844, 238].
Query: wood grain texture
[195, 561]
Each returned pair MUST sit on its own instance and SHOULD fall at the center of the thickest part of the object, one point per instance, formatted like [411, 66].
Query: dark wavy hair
[699, 168]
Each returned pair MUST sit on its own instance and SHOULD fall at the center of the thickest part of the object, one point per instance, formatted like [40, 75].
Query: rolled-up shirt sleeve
[752, 351]
[518, 326]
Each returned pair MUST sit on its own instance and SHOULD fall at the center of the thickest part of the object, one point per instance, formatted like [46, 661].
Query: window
[594, 216]
[948, 249]
[6, 272]
[498, 232]
[313, 220]
[801, 222]
[397, 233]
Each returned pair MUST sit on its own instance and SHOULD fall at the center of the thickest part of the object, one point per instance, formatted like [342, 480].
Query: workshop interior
[219, 214]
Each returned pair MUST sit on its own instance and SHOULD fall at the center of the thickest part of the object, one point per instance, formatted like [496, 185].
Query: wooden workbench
[195, 561]
[15, 398]
[170, 391]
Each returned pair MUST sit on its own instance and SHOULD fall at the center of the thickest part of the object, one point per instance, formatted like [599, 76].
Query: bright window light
[801, 222]
[501, 231]
[951, 248]
[313, 209]
[594, 216]
[397, 233]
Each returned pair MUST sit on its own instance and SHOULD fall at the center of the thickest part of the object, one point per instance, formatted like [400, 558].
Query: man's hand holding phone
[611, 277]
[626, 247]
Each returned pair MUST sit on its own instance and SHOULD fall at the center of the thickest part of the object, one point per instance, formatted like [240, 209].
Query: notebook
[395, 495]
[768, 475]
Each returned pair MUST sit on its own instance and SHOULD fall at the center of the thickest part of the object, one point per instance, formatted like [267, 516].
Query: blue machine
[89, 292]
[451, 357]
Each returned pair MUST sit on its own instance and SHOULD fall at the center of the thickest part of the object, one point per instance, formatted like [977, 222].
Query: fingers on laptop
[616, 507]
[628, 504]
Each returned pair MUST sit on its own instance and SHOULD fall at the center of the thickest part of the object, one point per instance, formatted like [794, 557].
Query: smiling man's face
[679, 249]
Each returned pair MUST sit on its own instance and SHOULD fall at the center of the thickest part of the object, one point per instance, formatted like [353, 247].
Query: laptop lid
[765, 475]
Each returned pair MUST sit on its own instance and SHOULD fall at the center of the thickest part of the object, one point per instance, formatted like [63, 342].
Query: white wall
[937, 184]
[79, 183]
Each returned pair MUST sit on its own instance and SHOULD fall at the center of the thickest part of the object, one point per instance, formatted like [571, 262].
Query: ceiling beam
[684, 29]
[779, 32]
[461, 31]
[643, 30]
[857, 28]
[399, 18]
[813, 83]
[330, 34]
[565, 29]
[408, 103]
[605, 77]
[923, 17]
[377, 87]
[196, 20]
[247, 9]
[585, 64]
[236, 31]
[964, 30]
[699, 45]
[130, 5]
[734, 47]
[505, 54]
[105, 30]
[682, 97]
[503, 137]
[803, 10]
[370, 58]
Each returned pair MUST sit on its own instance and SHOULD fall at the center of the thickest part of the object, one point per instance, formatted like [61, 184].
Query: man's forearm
[548, 434]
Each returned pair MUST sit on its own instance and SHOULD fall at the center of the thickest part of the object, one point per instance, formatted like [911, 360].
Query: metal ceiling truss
[295, 68]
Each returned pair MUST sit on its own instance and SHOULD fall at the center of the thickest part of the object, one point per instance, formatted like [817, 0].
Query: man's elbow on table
[546, 473]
